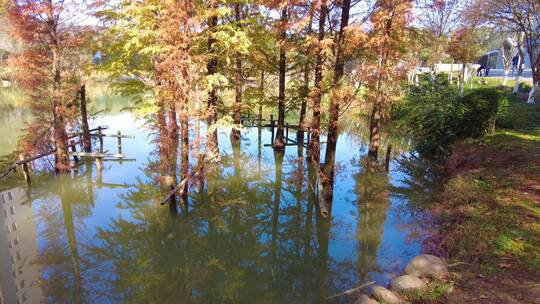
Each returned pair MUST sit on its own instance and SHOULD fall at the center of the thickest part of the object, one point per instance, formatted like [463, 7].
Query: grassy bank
[489, 212]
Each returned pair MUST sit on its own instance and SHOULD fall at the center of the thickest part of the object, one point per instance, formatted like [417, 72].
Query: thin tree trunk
[463, 75]
[305, 93]
[330, 155]
[536, 81]
[184, 154]
[279, 141]
[374, 131]
[451, 72]
[521, 58]
[238, 85]
[61, 155]
[87, 144]
[212, 146]
[535, 71]
[173, 123]
[261, 88]
[314, 143]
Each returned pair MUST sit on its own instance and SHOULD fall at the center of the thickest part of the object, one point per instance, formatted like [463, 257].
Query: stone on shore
[406, 284]
[384, 295]
[364, 299]
[426, 265]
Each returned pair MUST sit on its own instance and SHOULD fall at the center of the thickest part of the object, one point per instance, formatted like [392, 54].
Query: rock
[406, 284]
[385, 296]
[366, 300]
[426, 265]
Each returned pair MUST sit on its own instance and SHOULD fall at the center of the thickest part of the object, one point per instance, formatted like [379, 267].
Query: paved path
[499, 73]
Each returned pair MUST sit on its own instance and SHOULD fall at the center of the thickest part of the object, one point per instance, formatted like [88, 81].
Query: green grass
[491, 202]
[479, 82]
[510, 139]
[520, 115]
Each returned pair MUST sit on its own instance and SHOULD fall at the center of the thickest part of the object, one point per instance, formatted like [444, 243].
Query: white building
[494, 58]
[19, 275]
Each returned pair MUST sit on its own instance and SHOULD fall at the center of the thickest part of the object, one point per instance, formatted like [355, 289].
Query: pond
[251, 233]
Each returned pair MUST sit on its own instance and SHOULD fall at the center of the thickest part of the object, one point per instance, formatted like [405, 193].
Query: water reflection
[372, 188]
[252, 231]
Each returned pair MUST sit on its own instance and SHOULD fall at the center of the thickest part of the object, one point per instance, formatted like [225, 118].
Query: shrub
[483, 106]
[436, 117]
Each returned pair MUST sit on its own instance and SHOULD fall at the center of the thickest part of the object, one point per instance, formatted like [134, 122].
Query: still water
[251, 234]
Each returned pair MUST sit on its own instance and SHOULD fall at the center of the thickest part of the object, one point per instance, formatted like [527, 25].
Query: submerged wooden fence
[98, 156]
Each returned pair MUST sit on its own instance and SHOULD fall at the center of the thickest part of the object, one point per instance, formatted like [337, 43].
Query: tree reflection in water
[252, 231]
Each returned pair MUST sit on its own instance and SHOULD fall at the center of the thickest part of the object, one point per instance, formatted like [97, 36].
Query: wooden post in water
[24, 166]
[119, 133]
[87, 144]
[272, 125]
[100, 135]
[75, 157]
[120, 145]
[388, 155]
[286, 133]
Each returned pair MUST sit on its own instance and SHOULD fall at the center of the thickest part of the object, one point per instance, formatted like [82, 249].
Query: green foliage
[436, 117]
[483, 106]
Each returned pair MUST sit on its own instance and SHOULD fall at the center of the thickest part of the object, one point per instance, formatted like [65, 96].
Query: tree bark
[261, 88]
[314, 150]
[238, 79]
[61, 155]
[533, 49]
[333, 110]
[305, 93]
[212, 146]
[521, 58]
[184, 129]
[463, 79]
[87, 144]
[279, 141]
[374, 131]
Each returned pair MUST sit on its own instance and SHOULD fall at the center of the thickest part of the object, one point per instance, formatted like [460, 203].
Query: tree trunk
[212, 146]
[521, 58]
[374, 131]
[59, 127]
[261, 88]
[280, 142]
[305, 93]
[87, 143]
[452, 72]
[314, 143]
[184, 129]
[330, 155]
[535, 70]
[238, 85]
[463, 75]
